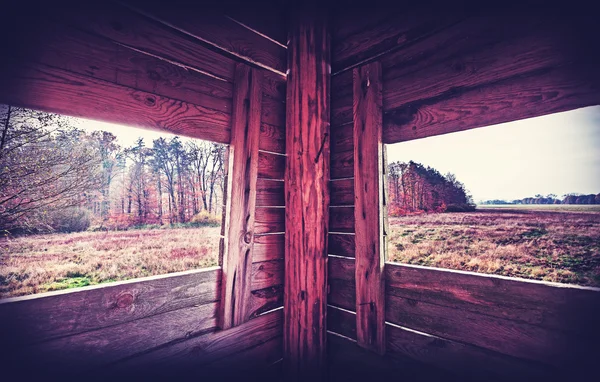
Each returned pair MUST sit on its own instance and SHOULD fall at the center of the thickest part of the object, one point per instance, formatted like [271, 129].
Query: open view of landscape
[84, 202]
[520, 199]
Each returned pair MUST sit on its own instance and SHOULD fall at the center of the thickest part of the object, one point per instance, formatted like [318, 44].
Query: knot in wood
[125, 300]
[150, 101]
[248, 237]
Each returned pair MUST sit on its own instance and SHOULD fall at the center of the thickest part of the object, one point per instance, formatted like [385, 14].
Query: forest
[572, 198]
[55, 177]
[414, 188]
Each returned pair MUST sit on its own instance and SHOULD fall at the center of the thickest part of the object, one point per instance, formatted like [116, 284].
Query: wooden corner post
[307, 195]
[241, 197]
[369, 207]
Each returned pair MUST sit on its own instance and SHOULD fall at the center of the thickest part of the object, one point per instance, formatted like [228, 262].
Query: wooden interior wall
[117, 63]
[447, 69]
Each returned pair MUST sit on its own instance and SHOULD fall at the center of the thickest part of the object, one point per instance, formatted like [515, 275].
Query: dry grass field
[544, 244]
[41, 263]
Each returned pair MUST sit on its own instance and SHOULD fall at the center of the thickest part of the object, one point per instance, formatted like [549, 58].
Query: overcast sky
[558, 154]
[126, 135]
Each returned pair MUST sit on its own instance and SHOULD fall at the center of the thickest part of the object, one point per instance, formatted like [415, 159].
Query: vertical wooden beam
[369, 207]
[241, 196]
[307, 196]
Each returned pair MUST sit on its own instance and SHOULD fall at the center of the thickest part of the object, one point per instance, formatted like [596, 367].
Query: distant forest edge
[57, 177]
[414, 189]
[572, 198]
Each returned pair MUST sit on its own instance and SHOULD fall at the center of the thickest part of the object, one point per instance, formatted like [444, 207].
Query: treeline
[414, 188]
[572, 198]
[54, 176]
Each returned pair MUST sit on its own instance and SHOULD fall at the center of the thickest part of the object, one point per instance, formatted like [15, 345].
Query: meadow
[559, 244]
[41, 263]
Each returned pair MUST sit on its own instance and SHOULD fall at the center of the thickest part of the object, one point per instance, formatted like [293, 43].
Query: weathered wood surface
[42, 317]
[269, 21]
[264, 300]
[192, 356]
[213, 27]
[266, 274]
[341, 282]
[341, 244]
[342, 151]
[271, 166]
[307, 195]
[341, 219]
[269, 220]
[269, 193]
[269, 247]
[241, 196]
[368, 209]
[272, 138]
[341, 321]
[342, 192]
[42, 87]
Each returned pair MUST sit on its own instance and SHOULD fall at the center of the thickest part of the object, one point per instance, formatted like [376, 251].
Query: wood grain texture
[264, 300]
[341, 321]
[266, 274]
[272, 138]
[307, 195]
[542, 92]
[269, 220]
[342, 192]
[269, 193]
[271, 166]
[368, 209]
[38, 318]
[269, 21]
[42, 87]
[241, 196]
[341, 219]
[268, 247]
[213, 27]
[341, 245]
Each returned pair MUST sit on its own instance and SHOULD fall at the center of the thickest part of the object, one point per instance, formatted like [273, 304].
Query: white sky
[558, 154]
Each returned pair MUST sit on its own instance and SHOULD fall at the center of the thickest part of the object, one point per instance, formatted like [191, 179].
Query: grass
[41, 263]
[542, 244]
[586, 208]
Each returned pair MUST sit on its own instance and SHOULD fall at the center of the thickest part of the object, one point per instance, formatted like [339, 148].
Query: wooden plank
[342, 165]
[273, 111]
[241, 196]
[272, 138]
[214, 28]
[55, 90]
[341, 321]
[268, 247]
[368, 210]
[342, 192]
[269, 220]
[252, 363]
[342, 293]
[134, 31]
[269, 21]
[341, 268]
[341, 110]
[190, 356]
[538, 93]
[341, 245]
[554, 306]
[83, 352]
[307, 195]
[269, 193]
[392, 32]
[264, 300]
[266, 274]
[466, 360]
[271, 166]
[341, 219]
[342, 138]
[47, 316]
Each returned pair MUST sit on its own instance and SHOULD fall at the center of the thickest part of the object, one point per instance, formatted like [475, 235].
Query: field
[553, 244]
[41, 263]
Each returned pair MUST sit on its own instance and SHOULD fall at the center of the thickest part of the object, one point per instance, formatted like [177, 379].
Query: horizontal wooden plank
[341, 110]
[190, 355]
[269, 193]
[342, 192]
[251, 364]
[342, 139]
[130, 29]
[539, 93]
[341, 268]
[82, 352]
[269, 220]
[342, 165]
[563, 307]
[505, 336]
[342, 294]
[341, 321]
[341, 219]
[266, 274]
[213, 27]
[272, 138]
[341, 245]
[273, 112]
[269, 21]
[264, 300]
[466, 360]
[271, 166]
[55, 90]
[392, 31]
[42, 317]
[274, 86]
[268, 247]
